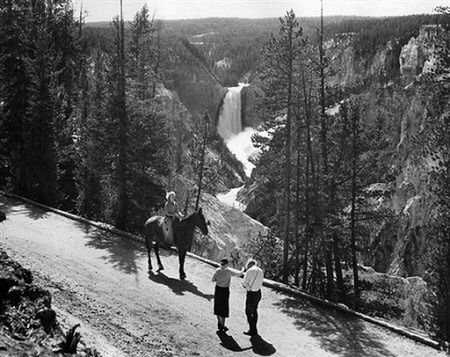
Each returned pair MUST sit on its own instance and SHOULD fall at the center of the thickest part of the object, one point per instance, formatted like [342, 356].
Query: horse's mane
[190, 216]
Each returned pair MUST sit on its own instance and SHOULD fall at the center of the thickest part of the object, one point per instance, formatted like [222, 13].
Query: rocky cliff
[386, 80]
[399, 243]
[229, 232]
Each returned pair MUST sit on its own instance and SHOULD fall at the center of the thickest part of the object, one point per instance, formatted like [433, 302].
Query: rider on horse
[172, 214]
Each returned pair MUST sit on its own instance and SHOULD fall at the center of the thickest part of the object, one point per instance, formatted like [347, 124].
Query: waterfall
[229, 127]
[230, 116]
[237, 139]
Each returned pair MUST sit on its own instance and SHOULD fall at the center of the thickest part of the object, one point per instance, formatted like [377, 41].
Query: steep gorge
[386, 82]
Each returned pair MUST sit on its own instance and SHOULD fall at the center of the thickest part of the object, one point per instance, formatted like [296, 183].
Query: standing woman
[222, 278]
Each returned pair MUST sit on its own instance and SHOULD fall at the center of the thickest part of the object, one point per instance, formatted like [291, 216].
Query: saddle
[168, 230]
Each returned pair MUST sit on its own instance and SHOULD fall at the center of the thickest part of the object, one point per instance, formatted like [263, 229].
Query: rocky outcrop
[224, 63]
[397, 244]
[415, 56]
[349, 70]
[400, 300]
[230, 230]
[401, 243]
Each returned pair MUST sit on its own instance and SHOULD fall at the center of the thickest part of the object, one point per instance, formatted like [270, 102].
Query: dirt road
[101, 280]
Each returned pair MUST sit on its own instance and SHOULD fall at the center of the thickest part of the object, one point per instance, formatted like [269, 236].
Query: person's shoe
[250, 333]
[224, 328]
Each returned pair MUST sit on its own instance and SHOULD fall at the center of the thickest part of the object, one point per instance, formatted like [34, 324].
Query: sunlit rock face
[229, 232]
[400, 300]
[415, 56]
[401, 243]
[349, 69]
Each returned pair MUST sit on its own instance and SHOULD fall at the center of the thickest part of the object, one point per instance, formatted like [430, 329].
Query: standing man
[253, 281]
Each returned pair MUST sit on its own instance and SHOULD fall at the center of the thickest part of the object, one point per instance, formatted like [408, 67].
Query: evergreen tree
[35, 66]
[278, 83]
[14, 85]
[203, 141]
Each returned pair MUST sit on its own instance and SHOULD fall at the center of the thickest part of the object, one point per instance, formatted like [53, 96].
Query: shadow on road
[122, 253]
[13, 206]
[338, 333]
[177, 286]
[261, 347]
[230, 343]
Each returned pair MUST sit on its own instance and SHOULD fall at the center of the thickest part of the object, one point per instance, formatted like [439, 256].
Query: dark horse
[183, 237]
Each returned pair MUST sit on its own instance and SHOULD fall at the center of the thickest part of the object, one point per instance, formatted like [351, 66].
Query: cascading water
[237, 140]
[230, 117]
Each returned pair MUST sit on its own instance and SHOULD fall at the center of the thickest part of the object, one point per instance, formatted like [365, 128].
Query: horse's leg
[160, 266]
[181, 258]
[148, 243]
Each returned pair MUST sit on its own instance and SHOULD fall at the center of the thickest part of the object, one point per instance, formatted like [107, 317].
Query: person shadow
[262, 347]
[230, 343]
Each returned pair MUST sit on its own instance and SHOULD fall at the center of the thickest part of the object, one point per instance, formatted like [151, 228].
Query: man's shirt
[253, 279]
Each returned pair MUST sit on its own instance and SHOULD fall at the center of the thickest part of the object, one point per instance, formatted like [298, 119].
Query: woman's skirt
[221, 298]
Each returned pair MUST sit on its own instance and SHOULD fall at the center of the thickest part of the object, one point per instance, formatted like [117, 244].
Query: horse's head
[200, 222]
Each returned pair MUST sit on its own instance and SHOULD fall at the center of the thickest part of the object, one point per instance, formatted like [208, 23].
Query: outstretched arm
[238, 273]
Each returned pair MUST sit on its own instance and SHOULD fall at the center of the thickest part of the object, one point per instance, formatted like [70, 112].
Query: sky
[105, 10]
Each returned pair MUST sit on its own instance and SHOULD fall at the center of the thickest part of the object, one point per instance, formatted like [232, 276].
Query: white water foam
[238, 141]
[242, 147]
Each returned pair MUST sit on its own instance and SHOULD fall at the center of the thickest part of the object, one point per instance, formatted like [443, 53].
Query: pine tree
[14, 83]
[203, 141]
[36, 68]
[278, 82]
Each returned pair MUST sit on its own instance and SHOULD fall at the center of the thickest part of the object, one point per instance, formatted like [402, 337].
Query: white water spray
[238, 141]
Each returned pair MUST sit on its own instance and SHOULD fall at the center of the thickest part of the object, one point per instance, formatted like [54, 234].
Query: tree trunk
[287, 189]
[200, 178]
[336, 246]
[157, 62]
[121, 166]
[309, 162]
[353, 213]
[297, 201]
[324, 149]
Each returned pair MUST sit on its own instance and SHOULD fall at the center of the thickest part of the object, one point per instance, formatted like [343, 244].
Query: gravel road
[101, 280]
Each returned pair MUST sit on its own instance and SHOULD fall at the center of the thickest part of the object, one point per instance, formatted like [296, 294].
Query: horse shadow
[262, 347]
[230, 343]
[179, 287]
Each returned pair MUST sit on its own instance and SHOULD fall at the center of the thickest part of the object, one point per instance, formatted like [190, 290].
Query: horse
[182, 239]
